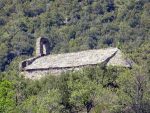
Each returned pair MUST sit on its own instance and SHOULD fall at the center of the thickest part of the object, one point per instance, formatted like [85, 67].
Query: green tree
[43, 103]
[133, 92]
[7, 100]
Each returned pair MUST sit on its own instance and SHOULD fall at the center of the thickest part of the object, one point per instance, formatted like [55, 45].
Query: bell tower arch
[42, 46]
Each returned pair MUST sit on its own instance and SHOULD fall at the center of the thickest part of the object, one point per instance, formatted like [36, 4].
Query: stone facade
[42, 46]
[45, 63]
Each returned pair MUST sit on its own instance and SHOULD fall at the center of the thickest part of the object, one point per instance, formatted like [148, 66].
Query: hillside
[71, 26]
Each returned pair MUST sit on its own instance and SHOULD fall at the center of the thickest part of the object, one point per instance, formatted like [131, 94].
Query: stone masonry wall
[42, 46]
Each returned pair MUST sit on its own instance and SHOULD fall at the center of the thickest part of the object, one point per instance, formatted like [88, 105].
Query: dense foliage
[74, 25]
[94, 89]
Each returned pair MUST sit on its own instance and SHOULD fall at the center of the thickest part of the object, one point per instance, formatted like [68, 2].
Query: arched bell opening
[42, 46]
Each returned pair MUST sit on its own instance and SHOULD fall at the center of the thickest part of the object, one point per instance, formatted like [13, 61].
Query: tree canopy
[75, 25]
